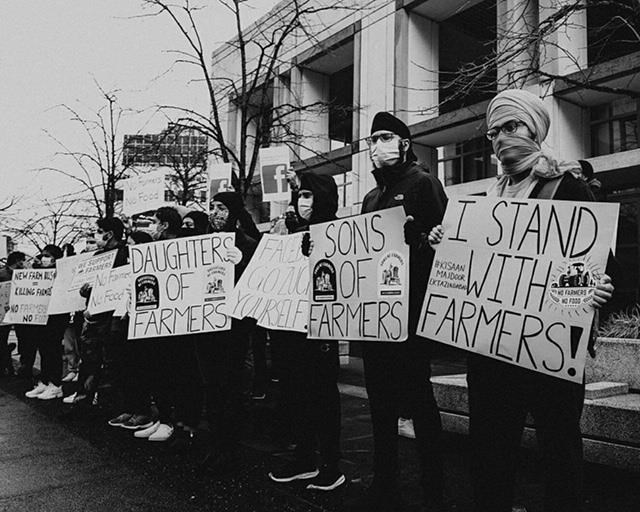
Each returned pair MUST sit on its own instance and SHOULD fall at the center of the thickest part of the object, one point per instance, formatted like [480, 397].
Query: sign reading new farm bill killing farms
[274, 287]
[359, 278]
[514, 280]
[30, 296]
[180, 286]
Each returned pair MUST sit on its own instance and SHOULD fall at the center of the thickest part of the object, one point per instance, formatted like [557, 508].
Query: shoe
[74, 398]
[294, 471]
[120, 420]
[163, 433]
[37, 390]
[327, 480]
[52, 392]
[258, 396]
[146, 432]
[138, 422]
[405, 428]
[70, 377]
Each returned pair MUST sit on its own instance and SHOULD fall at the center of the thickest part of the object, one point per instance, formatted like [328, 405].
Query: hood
[325, 196]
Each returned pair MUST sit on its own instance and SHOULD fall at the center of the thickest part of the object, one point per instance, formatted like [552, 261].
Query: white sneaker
[405, 428]
[71, 377]
[146, 432]
[38, 389]
[51, 392]
[163, 433]
[70, 399]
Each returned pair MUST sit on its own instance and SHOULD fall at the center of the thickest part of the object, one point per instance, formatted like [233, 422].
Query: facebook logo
[274, 179]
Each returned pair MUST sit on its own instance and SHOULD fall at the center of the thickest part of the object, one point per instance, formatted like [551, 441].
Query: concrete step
[617, 360]
[610, 424]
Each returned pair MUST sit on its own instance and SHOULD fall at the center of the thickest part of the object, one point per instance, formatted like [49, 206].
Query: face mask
[47, 261]
[103, 240]
[157, 233]
[386, 154]
[305, 207]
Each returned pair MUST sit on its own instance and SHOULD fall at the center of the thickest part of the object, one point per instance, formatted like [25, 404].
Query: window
[341, 107]
[614, 127]
[467, 161]
[612, 29]
[466, 38]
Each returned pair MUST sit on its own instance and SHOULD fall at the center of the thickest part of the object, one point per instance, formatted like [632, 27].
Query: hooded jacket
[422, 196]
[325, 197]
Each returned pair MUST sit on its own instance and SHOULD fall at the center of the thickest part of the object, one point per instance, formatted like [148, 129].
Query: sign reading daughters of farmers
[514, 280]
[360, 278]
[30, 296]
[180, 286]
[274, 287]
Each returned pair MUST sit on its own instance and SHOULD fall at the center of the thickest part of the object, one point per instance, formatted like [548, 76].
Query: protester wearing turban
[501, 394]
[398, 373]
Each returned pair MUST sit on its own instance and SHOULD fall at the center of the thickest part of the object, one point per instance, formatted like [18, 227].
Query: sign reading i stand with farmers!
[274, 287]
[360, 278]
[30, 296]
[514, 280]
[180, 286]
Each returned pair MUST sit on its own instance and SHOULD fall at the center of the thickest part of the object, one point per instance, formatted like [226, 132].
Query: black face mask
[189, 232]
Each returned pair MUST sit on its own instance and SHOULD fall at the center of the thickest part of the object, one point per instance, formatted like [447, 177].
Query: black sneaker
[327, 480]
[294, 471]
[120, 420]
[138, 422]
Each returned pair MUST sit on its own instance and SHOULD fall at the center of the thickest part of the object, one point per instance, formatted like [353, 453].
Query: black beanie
[232, 200]
[389, 122]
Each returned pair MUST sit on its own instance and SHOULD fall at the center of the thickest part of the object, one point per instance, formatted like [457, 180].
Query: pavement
[57, 458]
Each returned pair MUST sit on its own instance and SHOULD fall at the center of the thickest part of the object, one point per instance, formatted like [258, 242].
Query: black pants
[6, 366]
[500, 395]
[95, 333]
[259, 353]
[222, 356]
[27, 347]
[398, 374]
[312, 369]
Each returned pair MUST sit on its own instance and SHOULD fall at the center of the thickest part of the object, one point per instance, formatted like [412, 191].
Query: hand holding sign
[435, 236]
[234, 255]
[603, 292]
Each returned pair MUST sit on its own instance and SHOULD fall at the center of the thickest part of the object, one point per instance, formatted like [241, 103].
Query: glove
[412, 233]
[307, 244]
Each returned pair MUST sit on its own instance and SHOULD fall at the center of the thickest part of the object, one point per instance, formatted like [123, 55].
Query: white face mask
[385, 154]
[305, 207]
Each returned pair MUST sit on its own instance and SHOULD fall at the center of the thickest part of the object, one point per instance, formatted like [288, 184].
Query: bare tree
[99, 167]
[258, 52]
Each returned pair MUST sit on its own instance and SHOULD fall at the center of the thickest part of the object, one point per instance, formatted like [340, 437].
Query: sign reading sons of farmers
[180, 286]
[514, 280]
[274, 287]
[360, 278]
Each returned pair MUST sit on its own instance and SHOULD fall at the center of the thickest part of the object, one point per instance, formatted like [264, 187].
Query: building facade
[436, 63]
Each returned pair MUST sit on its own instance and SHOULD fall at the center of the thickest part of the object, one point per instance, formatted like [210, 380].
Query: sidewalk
[52, 461]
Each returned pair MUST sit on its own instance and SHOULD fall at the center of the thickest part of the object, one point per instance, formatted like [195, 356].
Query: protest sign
[64, 300]
[514, 280]
[274, 287]
[30, 296]
[180, 286]
[109, 290]
[5, 293]
[359, 278]
[274, 163]
[143, 193]
[219, 179]
[87, 270]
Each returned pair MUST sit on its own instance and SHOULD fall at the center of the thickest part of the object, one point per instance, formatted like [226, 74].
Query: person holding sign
[501, 394]
[15, 260]
[222, 353]
[398, 373]
[48, 338]
[311, 367]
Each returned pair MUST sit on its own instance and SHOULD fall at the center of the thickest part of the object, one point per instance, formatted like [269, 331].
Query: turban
[522, 106]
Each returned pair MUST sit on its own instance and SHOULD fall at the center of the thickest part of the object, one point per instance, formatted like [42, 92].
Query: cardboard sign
[180, 286]
[88, 269]
[514, 279]
[143, 193]
[5, 294]
[109, 290]
[219, 179]
[64, 300]
[30, 296]
[274, 287]
[360, 278]
[274, 163]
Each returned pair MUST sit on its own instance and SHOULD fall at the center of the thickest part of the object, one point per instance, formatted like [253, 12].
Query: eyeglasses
[383, 137]
[508, 128]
